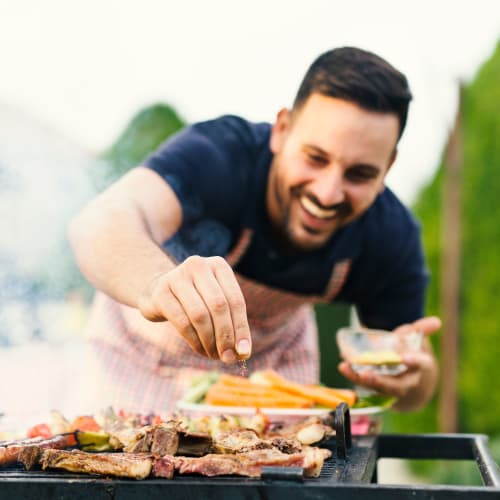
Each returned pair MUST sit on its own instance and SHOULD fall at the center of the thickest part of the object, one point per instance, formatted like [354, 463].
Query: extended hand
[204, 302]
[416, 385]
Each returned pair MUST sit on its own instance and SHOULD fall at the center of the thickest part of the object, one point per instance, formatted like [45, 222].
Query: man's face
[330, 160]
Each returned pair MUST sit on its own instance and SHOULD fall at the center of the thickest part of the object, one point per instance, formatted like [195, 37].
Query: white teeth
[313, 209]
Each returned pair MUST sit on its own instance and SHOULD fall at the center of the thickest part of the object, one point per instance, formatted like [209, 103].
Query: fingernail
[228, 356]
[243, 347]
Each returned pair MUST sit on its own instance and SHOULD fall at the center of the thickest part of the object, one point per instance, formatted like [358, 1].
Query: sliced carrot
[256, 390]
[227, 399]
[259, 391]
[218, 395]
[281, 388]
[347, 395]
[227, 379]
[316, 394]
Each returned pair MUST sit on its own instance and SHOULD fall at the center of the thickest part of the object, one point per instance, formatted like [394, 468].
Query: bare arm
[116, 240]
[116, 237]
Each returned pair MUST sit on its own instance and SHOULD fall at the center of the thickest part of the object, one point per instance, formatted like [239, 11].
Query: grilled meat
[9, 450]
[217, 465]
[164, 448]
[131, 465]
[241, 441]
[28, 451]
[248, 463]
[238, 441]
[314, 459]
[194, 444]
[310, 431]
[164, 467]
[160, 439]
[165, 440]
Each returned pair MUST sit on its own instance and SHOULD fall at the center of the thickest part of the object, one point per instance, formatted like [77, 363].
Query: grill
[350, 473]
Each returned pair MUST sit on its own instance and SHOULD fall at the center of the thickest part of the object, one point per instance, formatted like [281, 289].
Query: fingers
[427, 325]
[203, 300]
[242, 340]
[419, 359]
[172, 309]
[395, 385]
[193, 313]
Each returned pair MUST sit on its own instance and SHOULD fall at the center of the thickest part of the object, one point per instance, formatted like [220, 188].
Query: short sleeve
[398, 296]
[388, 277]
[206, 165]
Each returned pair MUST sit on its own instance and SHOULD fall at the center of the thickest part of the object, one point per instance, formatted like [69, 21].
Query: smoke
[44, 180]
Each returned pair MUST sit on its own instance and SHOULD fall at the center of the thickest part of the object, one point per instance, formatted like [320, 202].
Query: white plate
[270, 412]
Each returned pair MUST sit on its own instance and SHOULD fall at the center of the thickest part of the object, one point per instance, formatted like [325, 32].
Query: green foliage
[480, 287]
[452, 472]
[329, 319]
[479, 346]
[145, 132]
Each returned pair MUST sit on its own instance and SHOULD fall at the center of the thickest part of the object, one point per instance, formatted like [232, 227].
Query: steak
[249, 463]
[131, 465]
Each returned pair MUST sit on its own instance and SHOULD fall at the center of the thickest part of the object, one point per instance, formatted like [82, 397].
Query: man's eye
[316, 159]
[361, 175]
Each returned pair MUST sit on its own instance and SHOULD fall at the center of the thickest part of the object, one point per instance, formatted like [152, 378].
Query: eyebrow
[316, 149]
[365, 166]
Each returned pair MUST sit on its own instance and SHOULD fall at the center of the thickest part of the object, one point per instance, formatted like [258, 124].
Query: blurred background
[87, 89]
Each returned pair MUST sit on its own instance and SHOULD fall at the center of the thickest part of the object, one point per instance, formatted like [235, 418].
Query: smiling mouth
[316, 211]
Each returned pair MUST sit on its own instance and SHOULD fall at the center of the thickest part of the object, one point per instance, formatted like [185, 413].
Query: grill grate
[350, 473]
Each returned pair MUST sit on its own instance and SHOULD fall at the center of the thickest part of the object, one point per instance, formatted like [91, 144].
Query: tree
[479, 349]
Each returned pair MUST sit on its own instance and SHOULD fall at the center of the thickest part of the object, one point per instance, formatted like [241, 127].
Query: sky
[85, 68]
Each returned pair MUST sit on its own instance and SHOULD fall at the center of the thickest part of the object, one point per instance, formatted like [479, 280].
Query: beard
[285, 231]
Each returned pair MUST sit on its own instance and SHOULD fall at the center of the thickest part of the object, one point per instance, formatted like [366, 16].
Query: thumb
[427, 325]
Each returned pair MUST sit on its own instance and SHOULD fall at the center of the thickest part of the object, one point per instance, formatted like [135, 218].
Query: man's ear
[279, 130]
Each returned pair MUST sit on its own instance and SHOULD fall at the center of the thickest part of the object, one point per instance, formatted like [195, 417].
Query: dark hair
[361, 77]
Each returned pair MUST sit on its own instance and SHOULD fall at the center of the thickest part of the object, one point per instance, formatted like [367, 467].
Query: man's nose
[328, 187]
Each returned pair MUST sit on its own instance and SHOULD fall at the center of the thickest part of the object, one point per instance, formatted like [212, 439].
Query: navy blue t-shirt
[218, 170]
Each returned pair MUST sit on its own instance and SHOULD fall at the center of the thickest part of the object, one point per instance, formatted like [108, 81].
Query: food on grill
[250, 463]
[313, 433]
[160, 439]
[9, 450]
[377, 358]
[132, 465]
[242, 441]
[93, 441]
[207, 445]
[164, 467]
[29, 450]
[141, 465]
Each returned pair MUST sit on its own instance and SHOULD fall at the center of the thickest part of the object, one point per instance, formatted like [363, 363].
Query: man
[217, 246]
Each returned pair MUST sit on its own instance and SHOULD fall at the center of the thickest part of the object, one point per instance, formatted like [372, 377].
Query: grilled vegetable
[200, 387]
[93, 441]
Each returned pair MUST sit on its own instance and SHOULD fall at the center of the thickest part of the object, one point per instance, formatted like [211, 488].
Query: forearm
[116, 251]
